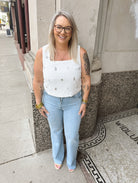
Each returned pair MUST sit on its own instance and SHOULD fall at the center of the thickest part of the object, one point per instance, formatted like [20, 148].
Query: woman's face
[62, 30]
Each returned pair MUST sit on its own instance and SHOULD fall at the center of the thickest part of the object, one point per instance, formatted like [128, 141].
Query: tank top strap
[78, 55]
[46, 56]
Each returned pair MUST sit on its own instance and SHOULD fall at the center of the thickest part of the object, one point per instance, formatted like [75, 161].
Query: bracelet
[84, 101]
[39, 106]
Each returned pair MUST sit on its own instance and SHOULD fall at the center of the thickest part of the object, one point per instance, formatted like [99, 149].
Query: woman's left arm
[85, 80]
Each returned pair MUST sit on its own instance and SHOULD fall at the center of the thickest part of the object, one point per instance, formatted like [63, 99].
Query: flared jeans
[63, 114]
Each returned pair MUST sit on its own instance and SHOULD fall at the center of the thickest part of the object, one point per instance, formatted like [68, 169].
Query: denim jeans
[63, 114]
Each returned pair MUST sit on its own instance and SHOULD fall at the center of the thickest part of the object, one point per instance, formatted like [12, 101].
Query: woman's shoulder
[39, 53]
[40, 50]
[82, 51]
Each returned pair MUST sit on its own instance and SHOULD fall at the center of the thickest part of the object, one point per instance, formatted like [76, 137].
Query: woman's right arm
[38, 82]
[38, 77]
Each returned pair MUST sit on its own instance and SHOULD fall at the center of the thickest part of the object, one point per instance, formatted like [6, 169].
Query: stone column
[119, 56]
[85, 14]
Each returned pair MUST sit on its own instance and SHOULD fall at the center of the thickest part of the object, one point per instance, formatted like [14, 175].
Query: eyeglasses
[67, 29]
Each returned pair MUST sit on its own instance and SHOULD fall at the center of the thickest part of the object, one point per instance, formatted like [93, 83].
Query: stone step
[28, 64]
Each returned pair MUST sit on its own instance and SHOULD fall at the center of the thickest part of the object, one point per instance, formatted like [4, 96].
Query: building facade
[108, 30]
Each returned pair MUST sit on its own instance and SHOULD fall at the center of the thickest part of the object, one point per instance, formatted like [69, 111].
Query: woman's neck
[61, 47]
[62, 52]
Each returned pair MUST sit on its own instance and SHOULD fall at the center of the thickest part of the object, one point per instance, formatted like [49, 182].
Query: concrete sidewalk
[19, 163]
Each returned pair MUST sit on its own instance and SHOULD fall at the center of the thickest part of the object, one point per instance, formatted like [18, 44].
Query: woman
[61, 68]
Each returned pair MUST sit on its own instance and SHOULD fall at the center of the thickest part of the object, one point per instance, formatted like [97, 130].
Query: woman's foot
[71, 170]
[57, 166]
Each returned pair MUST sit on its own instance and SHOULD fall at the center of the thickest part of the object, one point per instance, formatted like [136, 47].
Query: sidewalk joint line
[18, 158]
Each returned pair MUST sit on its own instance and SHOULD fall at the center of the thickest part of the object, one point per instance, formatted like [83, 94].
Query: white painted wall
[45, 12]
[85, 14]
[33, 25]
[40, 15]
[58, 5]
[134, 12]
[120, 48]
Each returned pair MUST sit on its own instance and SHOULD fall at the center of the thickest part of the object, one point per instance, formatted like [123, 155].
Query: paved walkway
[19, 163]
[111, 155]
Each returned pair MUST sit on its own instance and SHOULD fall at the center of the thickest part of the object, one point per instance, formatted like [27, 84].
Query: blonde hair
[73, 42]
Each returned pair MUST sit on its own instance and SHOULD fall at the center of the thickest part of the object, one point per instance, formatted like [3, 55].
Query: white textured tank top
[61, 78]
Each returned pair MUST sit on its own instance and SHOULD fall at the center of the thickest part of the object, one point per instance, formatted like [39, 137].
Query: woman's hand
[43, 111]
[82, 110]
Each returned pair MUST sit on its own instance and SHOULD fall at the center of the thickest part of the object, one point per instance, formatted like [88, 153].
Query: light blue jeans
[63, 114]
